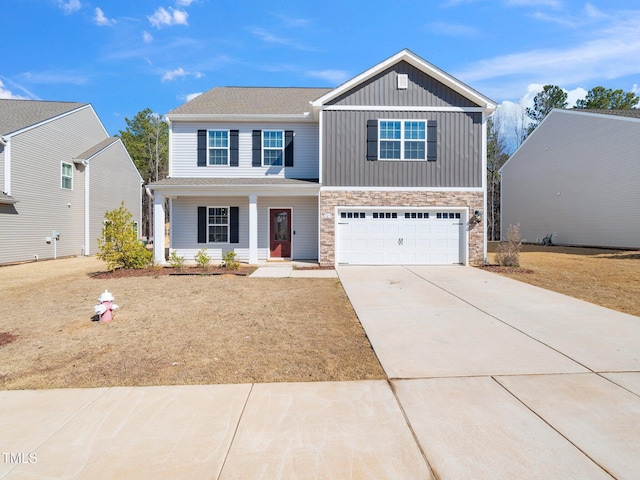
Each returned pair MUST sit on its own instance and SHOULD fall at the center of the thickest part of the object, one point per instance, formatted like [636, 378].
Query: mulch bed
[501, 269]
[162, 271]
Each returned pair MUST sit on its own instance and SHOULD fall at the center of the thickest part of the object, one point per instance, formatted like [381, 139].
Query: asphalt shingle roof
[252, 100]
[96, 148]
[18, 114]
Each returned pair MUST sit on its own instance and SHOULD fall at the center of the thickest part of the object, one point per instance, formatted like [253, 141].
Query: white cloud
[171, 75]
[593, 12]
[52, 78]
[184, 3]
[147, 37]
[5, 93]
[535, 3]
[608, 54]
[191, 96]
[179, 72]
[101, 19]
[445, 28]
[454, 3]
[70, 6]
[270, 37]
[335, 77]
[162, 17]
[294, 22]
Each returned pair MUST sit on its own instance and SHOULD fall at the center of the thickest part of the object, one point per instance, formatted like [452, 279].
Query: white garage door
[399, 237]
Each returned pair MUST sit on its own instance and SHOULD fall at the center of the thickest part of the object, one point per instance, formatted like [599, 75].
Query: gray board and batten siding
[459, 134]
[458, 155]
[422, 90]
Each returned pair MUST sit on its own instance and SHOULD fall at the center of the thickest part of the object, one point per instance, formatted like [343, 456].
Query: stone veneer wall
[329, 199]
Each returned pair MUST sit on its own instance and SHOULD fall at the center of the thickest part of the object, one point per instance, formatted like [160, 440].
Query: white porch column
[158, 229]
[253, 229]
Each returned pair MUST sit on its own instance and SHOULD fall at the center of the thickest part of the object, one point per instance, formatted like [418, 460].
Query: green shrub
[176, 261]
[119, 246]
[508, 252]
[229, 261]
[202, 259]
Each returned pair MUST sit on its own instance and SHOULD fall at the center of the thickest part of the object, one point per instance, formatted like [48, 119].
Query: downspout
[485, 116]
[87, 210]
[150, 226]
[7, 164]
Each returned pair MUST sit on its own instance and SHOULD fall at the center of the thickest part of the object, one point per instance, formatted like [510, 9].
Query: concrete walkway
[292, 269]
[490, 379]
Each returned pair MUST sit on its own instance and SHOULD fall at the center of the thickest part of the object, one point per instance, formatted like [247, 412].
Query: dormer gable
[405, 80]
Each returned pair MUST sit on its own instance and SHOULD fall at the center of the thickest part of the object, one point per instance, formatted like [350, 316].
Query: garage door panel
[400, 237]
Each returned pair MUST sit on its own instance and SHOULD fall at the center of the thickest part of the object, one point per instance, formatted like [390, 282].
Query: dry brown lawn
[610, 278]
[174, 329]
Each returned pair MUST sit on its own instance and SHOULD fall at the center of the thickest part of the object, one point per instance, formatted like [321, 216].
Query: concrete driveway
[500, 379]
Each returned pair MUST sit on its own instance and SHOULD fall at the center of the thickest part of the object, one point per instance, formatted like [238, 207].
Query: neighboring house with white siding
[60, 172]
[577, 176]
[388, 168]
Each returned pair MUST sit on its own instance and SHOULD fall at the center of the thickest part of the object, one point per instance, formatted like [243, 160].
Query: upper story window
[272, 147]
[67, 176]
[402, 140]
[218, 147]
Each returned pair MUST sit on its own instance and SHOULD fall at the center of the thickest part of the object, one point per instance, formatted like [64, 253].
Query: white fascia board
[187, 117]
[485, 103]
[386, 108]
[402, 189]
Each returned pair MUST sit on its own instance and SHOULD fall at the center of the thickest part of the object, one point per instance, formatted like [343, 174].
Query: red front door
[280, 233]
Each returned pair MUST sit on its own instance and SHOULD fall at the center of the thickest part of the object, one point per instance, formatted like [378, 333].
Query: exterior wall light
[477, 216]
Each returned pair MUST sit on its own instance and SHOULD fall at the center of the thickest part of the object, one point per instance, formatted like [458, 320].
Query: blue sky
[125, 55]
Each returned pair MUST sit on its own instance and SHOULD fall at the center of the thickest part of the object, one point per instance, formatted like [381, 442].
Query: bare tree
[520, 124]
[496, 157]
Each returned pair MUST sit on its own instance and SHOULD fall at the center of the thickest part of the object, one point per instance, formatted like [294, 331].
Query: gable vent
[403, 81]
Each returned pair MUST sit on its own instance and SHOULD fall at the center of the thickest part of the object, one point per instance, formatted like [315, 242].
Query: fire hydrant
[106, 307]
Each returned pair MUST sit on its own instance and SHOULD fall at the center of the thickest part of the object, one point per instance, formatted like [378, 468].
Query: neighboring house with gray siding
[59, 172]
[577, 176]
[387, 168]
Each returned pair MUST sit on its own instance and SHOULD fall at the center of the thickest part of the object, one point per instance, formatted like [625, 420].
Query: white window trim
[271, 148]
[63, 176]
[228, 224]
[402, 140]
[227, 148]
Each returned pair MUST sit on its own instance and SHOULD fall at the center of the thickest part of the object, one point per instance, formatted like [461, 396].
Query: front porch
[258, 219]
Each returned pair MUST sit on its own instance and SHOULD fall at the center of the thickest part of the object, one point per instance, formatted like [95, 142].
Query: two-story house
[388, 168]
[60, 171]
